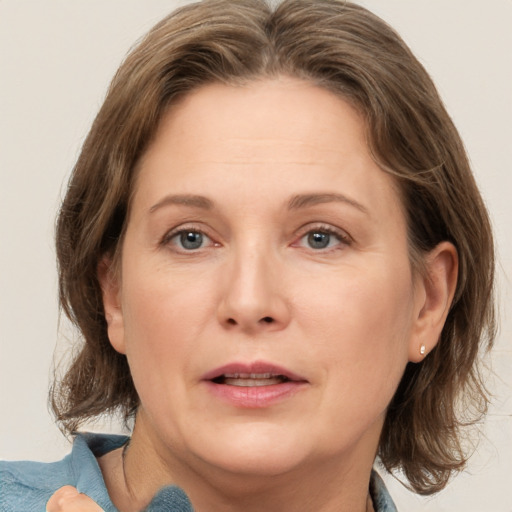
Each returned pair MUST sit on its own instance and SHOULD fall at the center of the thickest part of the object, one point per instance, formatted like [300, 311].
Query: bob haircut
[347, 50]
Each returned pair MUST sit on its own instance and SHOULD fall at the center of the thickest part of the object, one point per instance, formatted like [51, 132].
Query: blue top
[27, 486]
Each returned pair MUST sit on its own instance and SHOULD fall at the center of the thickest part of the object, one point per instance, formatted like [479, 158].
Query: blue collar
[96, 445]
[87, 447]
[28, 485]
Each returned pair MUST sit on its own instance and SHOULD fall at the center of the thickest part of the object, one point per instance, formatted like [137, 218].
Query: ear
[111, 292]
[435, 291]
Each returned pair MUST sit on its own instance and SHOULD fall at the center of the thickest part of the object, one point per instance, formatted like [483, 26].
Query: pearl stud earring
[423, 349]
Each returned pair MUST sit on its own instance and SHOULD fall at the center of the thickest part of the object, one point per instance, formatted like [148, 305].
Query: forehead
[283, 133]
[283, 112]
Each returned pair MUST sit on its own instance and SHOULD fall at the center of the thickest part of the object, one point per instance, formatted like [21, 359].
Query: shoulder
[27, 486]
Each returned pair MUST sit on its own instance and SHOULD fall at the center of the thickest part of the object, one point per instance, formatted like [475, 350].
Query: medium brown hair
[351, 52]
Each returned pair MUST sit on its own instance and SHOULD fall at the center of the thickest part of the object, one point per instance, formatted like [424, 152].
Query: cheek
[366, 321]
[162, 320]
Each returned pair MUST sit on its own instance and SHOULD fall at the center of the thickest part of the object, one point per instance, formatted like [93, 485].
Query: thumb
[68, 499]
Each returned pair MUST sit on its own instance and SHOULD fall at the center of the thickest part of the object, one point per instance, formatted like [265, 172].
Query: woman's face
[266, 302]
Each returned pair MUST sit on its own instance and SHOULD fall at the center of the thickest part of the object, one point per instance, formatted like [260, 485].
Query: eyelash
[343, 238]
[169, 236]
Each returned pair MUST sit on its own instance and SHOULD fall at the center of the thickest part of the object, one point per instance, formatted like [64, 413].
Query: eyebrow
[296, 202]
[305, 200]
[184, 199]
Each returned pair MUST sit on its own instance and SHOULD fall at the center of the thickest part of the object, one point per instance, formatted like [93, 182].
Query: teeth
[244, 382]
[249, 375]
[250, 379]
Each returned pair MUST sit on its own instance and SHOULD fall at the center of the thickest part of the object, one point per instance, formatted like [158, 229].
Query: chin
[258, 452]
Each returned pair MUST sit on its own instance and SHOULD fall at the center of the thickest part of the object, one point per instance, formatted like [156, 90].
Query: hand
[68, 499]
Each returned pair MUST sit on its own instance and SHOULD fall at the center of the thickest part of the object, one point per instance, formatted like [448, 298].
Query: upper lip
[256, 369]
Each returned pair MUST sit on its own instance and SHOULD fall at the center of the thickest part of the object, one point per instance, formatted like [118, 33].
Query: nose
[254, 294]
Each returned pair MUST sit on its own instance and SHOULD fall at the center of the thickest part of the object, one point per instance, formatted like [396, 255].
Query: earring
[423, 349]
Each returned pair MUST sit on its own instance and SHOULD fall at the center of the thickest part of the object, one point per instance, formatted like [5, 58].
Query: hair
[346, 49]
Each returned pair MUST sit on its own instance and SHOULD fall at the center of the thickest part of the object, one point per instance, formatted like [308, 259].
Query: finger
[68, 499]
[62, 496]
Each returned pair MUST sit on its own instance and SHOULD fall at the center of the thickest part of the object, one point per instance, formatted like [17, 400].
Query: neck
[339, 484]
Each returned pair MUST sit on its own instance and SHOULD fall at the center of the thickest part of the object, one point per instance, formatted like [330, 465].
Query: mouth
[246, 380]
[255, 385]
[257, 374]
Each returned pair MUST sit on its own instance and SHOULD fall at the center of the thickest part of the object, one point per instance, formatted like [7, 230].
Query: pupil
[318, 240]
[191, 240]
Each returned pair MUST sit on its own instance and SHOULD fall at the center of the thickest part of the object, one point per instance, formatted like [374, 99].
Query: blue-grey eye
[318, 239]
[191, 240]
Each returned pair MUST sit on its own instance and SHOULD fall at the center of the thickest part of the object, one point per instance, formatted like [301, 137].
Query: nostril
[267, 319]
[231, 321]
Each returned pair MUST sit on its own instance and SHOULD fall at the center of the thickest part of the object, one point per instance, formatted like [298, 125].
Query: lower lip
[255, 397]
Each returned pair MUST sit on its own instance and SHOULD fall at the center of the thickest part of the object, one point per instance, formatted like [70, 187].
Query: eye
[318, 240]
[323, 238]
[190, 240]
[187, 240]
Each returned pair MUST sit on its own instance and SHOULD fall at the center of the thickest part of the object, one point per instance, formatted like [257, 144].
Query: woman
[266, 246]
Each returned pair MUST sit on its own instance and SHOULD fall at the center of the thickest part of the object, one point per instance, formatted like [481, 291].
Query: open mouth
[250, 379]
[254, 385]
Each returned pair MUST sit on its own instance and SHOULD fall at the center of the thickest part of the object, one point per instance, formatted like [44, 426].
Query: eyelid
[341, 234]
[323, 226]
[187, 227]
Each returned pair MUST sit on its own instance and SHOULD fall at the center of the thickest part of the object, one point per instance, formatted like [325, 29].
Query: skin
[68, 499]
[346, 318]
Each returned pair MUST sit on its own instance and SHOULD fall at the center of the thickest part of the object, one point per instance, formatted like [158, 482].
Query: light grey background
[56, 60]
